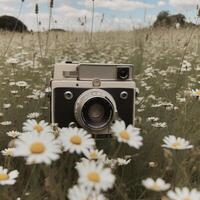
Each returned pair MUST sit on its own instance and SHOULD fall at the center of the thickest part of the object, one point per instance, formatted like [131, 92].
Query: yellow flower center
[197, 93]
[38, 128]
[187, 198]
[156, 187]
[76, 140]
[94, 177]
[4, 177]
[124, 135]
[93, 155]
[176, 145]
[37, 148]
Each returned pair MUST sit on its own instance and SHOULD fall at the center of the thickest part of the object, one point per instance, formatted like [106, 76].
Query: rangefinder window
[123, 73]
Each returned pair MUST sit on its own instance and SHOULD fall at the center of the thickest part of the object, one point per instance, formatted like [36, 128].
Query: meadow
[167, 73]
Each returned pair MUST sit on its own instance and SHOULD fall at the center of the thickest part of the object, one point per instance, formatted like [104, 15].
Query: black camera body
[92, 96]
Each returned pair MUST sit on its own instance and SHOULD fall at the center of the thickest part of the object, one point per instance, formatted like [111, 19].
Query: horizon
[117, 14]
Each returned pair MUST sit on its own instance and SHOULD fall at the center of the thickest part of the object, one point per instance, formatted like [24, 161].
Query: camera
[92, 96]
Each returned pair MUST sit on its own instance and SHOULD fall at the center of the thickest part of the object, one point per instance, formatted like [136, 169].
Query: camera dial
[68, 95]
[95, 109]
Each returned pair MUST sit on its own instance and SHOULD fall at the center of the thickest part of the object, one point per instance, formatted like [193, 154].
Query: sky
[115, 14]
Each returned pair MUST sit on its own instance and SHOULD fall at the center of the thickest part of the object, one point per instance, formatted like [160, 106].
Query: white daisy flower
[21, 84]
[12, 61]
[121, 161]
[13, 134]
[14, 92]
[7, 152]
[6, 105]
[6, 123]
[82, 193]
[76, 140]
[94, 154]
[37, 148]
[155, 185]
[129, 135]
[195, 93]
[93, 175]
[8, 178]
[33, 115]
[184, 194]
[33, 126]
[172, 142]
[112, 163]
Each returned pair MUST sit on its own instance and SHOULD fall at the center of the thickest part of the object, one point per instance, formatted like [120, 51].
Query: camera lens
[97, 113]
[95, 109]
[123, 73]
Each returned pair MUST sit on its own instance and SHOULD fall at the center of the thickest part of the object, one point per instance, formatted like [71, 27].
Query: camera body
[92, 96]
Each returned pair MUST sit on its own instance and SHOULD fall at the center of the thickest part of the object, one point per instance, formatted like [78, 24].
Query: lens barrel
[95, 109]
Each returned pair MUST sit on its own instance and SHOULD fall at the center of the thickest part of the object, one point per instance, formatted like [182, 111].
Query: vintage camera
[92, 96]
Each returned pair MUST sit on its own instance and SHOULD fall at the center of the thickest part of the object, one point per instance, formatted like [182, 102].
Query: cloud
[184, 3]
[121, 5]
[68, 11]
[162, 3]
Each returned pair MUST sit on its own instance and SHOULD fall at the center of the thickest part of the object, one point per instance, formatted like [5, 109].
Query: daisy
[14, 92]
[76, 140]
[13, 134]
[94, 154]
[33, 126]
[112, 163]
[33, 115]
[6, 123]
[195, 93]
[12, 61]
[121, 161]
[6, 105]
[157, 185]
[21, 84]
[93, 175]
[129, 135]
[8, 178]
[37, 148]
[7, 152]
[82, 193]
[184, 194]
[172, 142]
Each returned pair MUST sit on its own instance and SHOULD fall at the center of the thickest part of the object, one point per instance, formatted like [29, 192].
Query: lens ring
[95, 109]
[97, 113]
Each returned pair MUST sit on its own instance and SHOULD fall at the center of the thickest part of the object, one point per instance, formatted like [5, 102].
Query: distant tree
[167, 20]
[10, 23]
[163, 15]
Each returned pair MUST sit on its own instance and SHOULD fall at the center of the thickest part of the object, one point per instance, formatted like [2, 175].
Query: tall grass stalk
[92, 25]
[49, 26]
[38, 28]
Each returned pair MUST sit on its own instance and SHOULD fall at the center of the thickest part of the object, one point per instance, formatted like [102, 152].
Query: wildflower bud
[153, 164]
[36, 8]
[51, 3]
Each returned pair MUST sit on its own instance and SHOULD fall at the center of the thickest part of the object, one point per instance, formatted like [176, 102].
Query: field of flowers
[159, 158]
